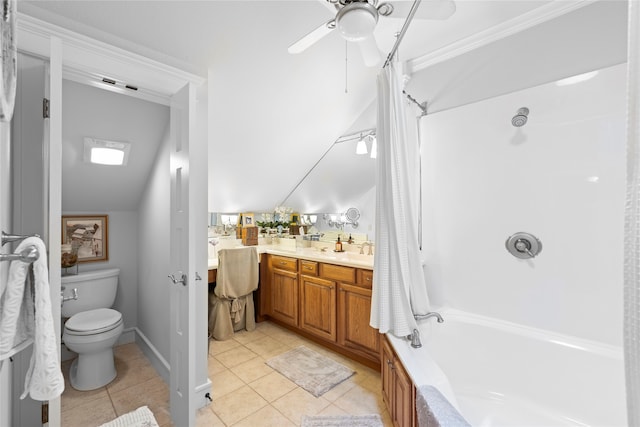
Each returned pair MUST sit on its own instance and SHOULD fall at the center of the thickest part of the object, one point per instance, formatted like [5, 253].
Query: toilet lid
[95, 321]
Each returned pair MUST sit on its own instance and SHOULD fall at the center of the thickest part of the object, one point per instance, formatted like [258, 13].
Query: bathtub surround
[632, 222]
[434, 409]
[560, 177]
[399, 289]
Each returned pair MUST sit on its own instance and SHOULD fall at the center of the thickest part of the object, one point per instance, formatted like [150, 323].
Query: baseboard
[157, 361]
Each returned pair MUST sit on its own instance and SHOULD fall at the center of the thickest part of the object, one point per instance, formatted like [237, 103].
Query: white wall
[153, 232]
[123, 254]
[560, 177]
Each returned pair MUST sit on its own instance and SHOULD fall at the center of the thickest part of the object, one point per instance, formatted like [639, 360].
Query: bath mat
[310, 370]
[141, 417]
[342, 421]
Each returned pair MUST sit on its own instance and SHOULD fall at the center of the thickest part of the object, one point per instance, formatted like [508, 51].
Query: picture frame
[295, 219]
[248, 220]
[88, 236]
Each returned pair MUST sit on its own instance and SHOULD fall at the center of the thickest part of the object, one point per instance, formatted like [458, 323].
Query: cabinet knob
[283, 263]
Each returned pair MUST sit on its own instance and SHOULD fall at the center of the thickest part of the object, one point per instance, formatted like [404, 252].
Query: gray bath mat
[342, 421]
[310, 370]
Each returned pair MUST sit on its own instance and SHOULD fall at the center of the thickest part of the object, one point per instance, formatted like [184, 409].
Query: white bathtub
[502, 374]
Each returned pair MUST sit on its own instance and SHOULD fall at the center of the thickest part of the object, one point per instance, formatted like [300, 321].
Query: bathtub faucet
[415, 339]
[428, 315]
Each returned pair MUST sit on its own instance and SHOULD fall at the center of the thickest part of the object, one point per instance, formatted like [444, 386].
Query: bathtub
[503, 374]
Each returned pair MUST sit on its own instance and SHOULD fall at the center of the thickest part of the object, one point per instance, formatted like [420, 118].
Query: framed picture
[295, 218]
[248, 220]
[88, 236]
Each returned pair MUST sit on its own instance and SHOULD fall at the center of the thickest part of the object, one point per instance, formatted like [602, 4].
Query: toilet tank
[96, 289]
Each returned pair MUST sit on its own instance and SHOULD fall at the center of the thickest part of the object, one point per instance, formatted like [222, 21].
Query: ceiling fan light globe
[357, 21]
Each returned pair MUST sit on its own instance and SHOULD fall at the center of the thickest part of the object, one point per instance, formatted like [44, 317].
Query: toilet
[92, 327]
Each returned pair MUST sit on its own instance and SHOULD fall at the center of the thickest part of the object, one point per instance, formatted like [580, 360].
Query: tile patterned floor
[246, 392]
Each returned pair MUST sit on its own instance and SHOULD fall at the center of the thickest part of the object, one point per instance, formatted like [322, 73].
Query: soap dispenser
[350, 241]
[338, 245]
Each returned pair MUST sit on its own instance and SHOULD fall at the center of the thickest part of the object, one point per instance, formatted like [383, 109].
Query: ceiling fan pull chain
[346, 68]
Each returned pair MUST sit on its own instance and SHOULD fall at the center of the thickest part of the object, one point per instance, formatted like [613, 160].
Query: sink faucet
[370, 248]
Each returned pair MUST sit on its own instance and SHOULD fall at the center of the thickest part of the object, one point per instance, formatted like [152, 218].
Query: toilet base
[92, 371]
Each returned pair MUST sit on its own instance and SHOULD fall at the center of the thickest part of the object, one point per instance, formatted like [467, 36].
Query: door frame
[76, 57]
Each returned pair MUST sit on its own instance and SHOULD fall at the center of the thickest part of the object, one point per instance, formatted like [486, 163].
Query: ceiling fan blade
[370, 52]
[428, 9]
[312, 37]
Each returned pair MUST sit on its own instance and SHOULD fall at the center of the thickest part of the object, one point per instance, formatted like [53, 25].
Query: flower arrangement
[280, 217]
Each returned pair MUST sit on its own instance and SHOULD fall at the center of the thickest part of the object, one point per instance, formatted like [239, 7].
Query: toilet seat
[93, 322]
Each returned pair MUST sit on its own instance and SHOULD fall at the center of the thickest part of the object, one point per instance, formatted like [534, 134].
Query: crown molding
[82, 55]
[505, 29]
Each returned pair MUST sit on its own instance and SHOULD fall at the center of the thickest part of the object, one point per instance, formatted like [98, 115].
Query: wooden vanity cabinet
[398, 391]
[354, 311]
[318, 307]
[283, 286]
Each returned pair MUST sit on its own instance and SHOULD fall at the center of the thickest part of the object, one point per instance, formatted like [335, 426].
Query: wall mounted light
[374, 147]
[103, 152]
[361, 148]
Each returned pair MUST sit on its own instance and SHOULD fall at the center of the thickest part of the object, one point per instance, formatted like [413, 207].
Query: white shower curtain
[632, 224]
[399, 288]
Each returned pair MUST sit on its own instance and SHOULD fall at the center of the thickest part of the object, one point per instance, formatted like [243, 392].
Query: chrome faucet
[428, 315]
[370, 244]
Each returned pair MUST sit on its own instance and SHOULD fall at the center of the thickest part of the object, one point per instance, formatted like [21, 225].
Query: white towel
[21, 324]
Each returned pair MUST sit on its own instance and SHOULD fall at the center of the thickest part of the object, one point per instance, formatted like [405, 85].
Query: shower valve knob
[523, 245]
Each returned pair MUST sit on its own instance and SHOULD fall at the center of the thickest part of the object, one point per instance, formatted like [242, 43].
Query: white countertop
[347, 258]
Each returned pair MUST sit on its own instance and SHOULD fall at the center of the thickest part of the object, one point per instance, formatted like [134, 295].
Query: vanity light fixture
[361, 148]
[103, 152]
[374, 147]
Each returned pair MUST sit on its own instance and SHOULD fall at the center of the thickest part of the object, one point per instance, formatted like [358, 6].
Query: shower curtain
[632, 223]
[399, 288]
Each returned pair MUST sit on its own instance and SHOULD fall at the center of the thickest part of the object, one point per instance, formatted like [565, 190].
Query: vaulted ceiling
[272, 114]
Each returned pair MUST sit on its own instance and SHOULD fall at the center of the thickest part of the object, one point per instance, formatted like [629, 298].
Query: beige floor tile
[153, 393]
[297, 403]
[214, 366]
[217, 347]
[266, 347]
[386, 419]
[268, 328]
[236, 356]
[224, 383]
[131, 372]
[244, 337]
[89, 414]
[252, 370]
[332, 410]
[207, 418]
[339, 390]
[265, 417]
[71, 397]
[238, 405]
[272, 386]
[360, 401]
[128, 351]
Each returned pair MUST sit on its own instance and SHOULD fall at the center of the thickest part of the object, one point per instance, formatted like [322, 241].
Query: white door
[183, 261]
[5, 209]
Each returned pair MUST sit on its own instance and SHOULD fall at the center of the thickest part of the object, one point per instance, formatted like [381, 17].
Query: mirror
[339, 184]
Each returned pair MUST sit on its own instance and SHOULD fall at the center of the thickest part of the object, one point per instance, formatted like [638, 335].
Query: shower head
[520, 119]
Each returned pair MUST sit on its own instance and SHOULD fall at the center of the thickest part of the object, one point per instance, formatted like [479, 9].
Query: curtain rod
[412, 12]
[422, 106]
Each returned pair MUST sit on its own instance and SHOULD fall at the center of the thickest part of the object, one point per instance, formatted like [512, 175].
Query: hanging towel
[25, 318]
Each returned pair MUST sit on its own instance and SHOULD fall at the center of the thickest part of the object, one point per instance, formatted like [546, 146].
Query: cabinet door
[284, 296]
[354, 310]
[386, 366]
[318, 307]
[403, 397]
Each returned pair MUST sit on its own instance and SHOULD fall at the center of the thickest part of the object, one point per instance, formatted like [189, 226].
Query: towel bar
[8, 238]
[28, 254]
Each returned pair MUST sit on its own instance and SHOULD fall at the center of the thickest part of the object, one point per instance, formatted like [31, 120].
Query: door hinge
[45, 412]
[45, 108]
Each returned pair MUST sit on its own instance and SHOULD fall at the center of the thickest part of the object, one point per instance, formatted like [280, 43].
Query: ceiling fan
[356, 20]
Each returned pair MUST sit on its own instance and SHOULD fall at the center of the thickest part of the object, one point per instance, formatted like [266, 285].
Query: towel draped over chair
[232, 307]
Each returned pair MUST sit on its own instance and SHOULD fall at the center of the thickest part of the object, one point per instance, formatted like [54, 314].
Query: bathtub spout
[415, 339]
[428, 315]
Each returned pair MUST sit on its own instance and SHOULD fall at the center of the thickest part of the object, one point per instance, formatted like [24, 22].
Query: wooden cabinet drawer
[365, 278]
[338, 272]
[212, 276]
[309, 268]
[284, 263]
